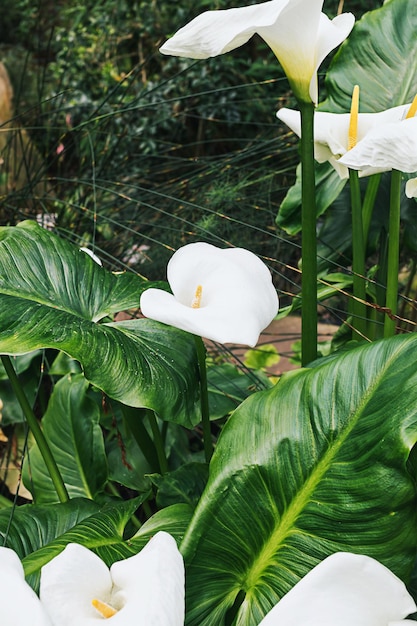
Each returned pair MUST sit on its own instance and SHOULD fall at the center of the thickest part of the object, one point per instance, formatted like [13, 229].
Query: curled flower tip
[354, 114]
[413, 109]
[104, 609]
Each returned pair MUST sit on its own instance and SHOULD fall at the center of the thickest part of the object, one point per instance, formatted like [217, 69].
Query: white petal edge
[344, 589]
[331, 131]
[211, 323]
[20, 606]
[293, 37]
[70, 582]
[215, 32]
[239, 299]
[386, 147]
[331, 34]
[280, 23]
[151, 584]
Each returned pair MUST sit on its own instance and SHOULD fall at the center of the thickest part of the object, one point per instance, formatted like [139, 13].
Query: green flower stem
[368, 203]
[205, 413]
[381, 282]
[358, 259]
[391, 299]
[308, 235]
[158, 442]
[34, 426]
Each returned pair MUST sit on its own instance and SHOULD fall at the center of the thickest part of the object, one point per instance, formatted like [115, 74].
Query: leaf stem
[205, 413]
[368, 203]
[134, 418]
[358, 259]
[309, 239]
[34, 426]
[391, 299]
[158, 442]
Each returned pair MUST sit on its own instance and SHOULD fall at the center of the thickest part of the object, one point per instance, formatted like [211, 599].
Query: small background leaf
[71, 427]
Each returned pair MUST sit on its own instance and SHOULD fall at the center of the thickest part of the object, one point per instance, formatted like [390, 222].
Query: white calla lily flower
[148, 588]
[348, 590]
[331, 135]
[225, 295]
[298, 33]
[386, 147]
[20, 605]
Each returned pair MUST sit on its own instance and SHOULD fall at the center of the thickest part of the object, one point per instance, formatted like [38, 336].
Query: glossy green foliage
[301, 471]
[52, 295]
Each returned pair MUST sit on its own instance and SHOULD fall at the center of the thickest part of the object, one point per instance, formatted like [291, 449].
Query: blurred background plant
[115, 146]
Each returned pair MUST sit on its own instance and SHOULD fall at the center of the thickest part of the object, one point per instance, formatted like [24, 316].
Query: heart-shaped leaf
[380, 56]
[27, 528]
[52, 295]
[316, 465]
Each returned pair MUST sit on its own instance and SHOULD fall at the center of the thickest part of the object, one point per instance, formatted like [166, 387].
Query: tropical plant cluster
[150, 215]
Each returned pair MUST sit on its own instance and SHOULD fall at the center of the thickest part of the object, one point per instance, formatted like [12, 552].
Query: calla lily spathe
[388, 146]
[348, 590]
[20, 605]
[331, 133]
[236, 297]
[147, 588]
[298, 33]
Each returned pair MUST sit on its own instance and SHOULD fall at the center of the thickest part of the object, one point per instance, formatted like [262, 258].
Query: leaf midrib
[287, 520]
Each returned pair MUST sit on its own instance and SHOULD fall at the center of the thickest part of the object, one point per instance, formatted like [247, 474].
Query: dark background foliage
[135, 153]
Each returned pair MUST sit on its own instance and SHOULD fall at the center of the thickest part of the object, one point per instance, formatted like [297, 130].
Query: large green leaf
[38, 533]
[315, 465]
[27, 528]
[174, 520]
[71, 427]
[380, 56]
[101, 531]
[52, 295]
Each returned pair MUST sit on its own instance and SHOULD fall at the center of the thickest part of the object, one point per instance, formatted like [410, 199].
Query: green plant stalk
[368, 203]
[158, 442]
[381, 283]
[308, 237]
[391, 298]
[358, 259]
[205, 413]
[34, 426]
